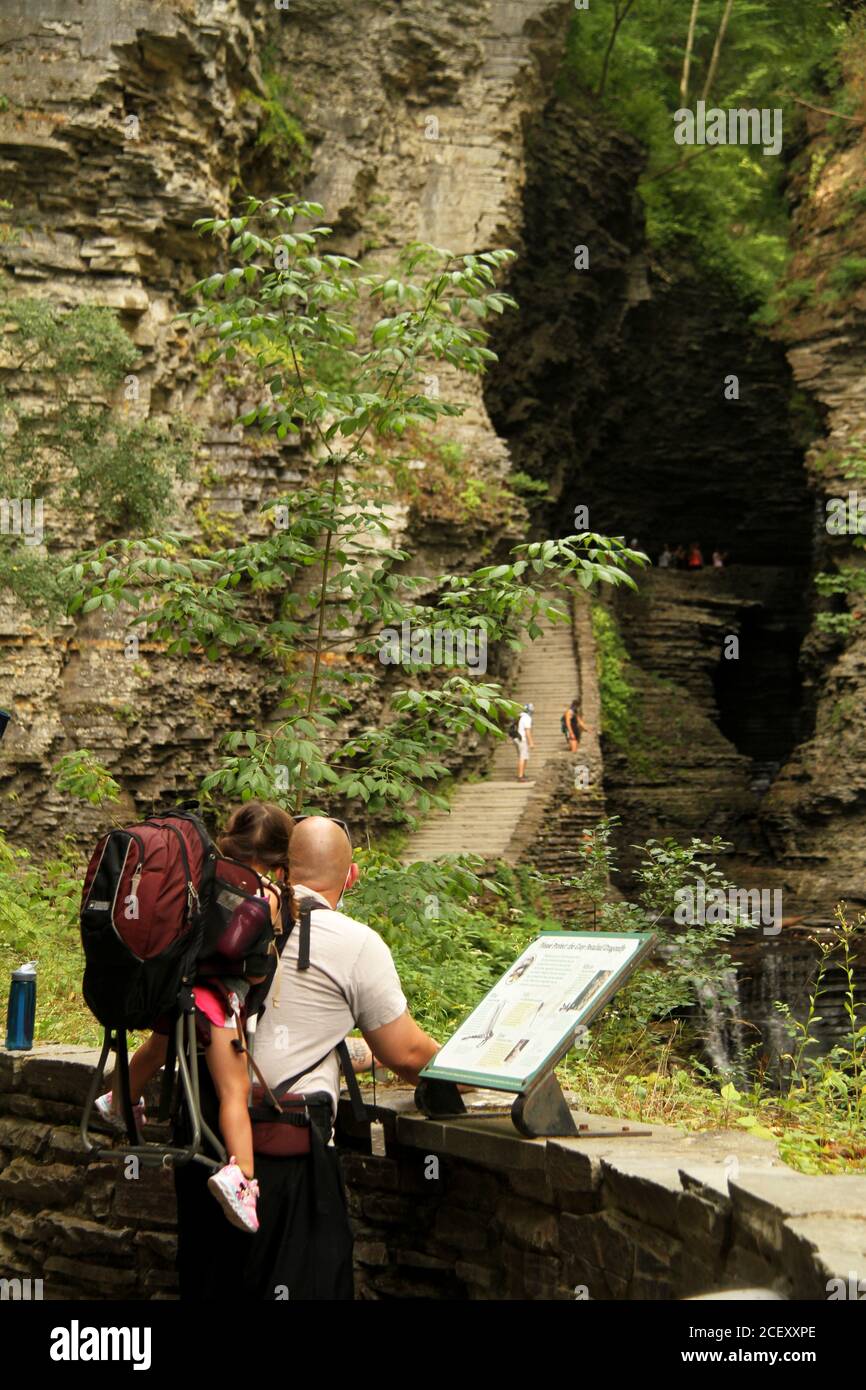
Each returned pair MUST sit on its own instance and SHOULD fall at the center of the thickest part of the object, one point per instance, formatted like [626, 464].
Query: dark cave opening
[640, 389]
[759, 692]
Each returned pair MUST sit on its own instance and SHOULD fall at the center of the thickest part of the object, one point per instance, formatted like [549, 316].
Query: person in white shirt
[303, 1249]
[524, 740]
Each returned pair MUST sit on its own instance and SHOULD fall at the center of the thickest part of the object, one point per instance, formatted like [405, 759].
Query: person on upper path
[573, 726]
[695, 559]
[524, 741]
[303, 1248]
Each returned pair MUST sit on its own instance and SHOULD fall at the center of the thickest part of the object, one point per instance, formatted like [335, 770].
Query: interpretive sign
[542, 1004]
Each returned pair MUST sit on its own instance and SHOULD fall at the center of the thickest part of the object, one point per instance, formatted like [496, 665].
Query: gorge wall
[611, 387]
[102, 207]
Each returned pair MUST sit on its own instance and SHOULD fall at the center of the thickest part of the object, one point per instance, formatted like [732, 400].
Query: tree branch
[619, 17]
[717, 48]
[687, 59]
[826, 111]
[684, 159]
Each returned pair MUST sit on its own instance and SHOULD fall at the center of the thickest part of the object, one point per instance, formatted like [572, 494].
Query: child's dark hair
[258, 832]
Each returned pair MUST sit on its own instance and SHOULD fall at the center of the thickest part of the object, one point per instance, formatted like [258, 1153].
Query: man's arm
[402, 1047]
[360, 1054]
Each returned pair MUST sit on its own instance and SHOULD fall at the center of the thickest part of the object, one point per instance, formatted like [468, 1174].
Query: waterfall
[722, 1024]
[775, 1033]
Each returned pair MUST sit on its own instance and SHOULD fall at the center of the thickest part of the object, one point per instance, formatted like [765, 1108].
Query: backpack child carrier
[160, 905]
[286, 1123]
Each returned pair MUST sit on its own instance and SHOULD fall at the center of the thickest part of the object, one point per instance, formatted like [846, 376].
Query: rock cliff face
[816, 810]
[612, 387]
[123, 121]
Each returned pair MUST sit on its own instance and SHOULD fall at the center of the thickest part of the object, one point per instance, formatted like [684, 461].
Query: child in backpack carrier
[257, 834]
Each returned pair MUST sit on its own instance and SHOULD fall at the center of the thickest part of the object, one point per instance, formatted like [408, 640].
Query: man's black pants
[302, 1249]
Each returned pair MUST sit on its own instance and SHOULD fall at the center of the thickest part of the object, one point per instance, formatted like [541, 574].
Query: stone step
[485, 815]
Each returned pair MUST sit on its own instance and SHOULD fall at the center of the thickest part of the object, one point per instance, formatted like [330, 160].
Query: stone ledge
[631, 1217]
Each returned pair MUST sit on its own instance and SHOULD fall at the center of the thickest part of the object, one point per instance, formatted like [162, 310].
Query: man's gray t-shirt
[352, 982]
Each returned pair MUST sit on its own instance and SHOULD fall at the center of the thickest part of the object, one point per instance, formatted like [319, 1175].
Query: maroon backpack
[159, 903]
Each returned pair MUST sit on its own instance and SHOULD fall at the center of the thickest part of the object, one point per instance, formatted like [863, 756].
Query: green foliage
[82, 775]
[302, 325]
[39, 921]
[452, 932]
[722, 205]
[640, 1062]
[849, 274]
[527, 486]
[620, 717]
[31, 576]
[828, 1090]
[62, 440]
[696, 959]
[847, 581]
[798, 292]
[447, 487]
[280, 132]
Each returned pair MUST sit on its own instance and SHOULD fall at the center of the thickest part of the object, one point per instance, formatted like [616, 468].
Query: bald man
[303, 1249]
[352, 979]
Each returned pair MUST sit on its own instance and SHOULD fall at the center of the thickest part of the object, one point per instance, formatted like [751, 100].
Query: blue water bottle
[21, 1015]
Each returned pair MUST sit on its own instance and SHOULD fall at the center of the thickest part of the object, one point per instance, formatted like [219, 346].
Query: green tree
[304, 324]
[65, 443]
[722, 205]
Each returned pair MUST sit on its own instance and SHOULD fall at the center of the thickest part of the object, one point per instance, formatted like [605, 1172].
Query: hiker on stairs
[524, 741]
[573, 726]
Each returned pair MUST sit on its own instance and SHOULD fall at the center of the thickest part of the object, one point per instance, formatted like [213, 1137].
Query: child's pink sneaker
[236, 1195]
[114, 1117]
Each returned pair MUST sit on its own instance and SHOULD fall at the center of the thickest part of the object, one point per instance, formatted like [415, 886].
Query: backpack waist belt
[286, 1133]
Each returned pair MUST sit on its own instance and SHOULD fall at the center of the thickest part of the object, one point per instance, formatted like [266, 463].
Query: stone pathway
[485, 815]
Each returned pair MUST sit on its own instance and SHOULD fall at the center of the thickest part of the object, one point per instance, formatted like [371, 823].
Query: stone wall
[466, 1210]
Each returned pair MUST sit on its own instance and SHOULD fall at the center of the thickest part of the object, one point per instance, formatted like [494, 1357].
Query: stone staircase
[498, 817]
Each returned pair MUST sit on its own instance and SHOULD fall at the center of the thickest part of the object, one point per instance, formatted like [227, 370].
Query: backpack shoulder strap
[359, 1110]
[307, 908]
